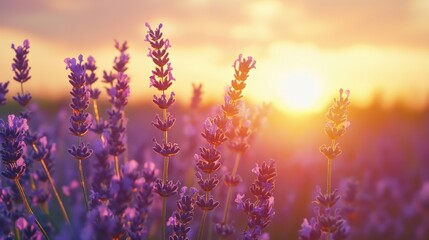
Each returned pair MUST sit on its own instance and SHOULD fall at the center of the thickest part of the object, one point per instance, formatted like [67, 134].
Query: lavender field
[97, 168]
[227, 120]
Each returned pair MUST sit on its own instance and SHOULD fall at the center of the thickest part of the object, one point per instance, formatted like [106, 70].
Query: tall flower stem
[329, 173]
[79, 119]
[57, 196]
[82, 183]
[164, 216]
[162, 78]
[116, 159]
[54, 189]
[27, 206]
[82, 178]
[164, 180]
[16, 232]
[203, 220]
[97, 117]
[229, 195]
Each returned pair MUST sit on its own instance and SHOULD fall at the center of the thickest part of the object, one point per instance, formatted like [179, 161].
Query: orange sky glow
[366, 46]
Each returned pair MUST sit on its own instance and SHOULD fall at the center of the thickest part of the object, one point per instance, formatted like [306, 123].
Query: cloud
[230, 24]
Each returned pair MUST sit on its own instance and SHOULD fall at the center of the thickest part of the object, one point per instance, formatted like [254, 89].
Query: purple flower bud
[81, 152]
[22, 99]
[310, 230]
[12, 135]
[3, 92]
[206, 205]
[327, 200]
[166, 149]
[232, 181]
[224, 230]
[207, 184]
[13, 170]
[109, 77]
[166, 189]
[212, 133]
[164, 125]
[20, 62]
[162, 101]
[196, 96]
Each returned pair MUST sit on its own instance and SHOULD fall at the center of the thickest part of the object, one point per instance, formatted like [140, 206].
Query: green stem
[203, 220]
[165, 172]
[97, 116]
[16, 231]
[54, 189]
[57, 196]
[27, 206]
[164, 180]
[229, 195]
[116, 166]
[329, 173]
[82, 183]
[46, 212]
[328, 180]
[164, 216]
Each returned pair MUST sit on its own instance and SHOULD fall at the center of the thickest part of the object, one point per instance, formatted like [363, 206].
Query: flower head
[12, 136]
[162, 76]
[20, 62]
[3, 92]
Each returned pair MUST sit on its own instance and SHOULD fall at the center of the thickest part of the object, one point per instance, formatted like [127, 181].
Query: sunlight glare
[302, 92]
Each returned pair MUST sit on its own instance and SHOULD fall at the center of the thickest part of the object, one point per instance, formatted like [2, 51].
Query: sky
[305, 50]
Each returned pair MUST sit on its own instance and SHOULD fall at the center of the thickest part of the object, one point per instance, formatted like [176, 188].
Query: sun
[301, 92]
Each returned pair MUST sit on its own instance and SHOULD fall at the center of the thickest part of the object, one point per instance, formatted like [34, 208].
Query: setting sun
[302, 91]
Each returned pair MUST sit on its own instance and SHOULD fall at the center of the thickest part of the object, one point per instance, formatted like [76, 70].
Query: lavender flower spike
[12, 135]
[20, 62]
[79, 120]
[161, 79]
[22, 71]
[3, 92]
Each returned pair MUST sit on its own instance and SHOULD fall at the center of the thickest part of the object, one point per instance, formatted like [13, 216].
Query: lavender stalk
[162, 78]
[21, 69]
[79, 119]
[12, 136]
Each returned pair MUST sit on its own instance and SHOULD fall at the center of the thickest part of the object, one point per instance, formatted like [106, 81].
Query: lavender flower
[143, 203]
[21, 69]
[196, 96]
[121, 61]
[181, 218]
[208, 161]
[90, 66]
[104, 225]
[102, 177]
[80, 118]
[28, 228]
[237, 129]
[122, 191]
[329, 222]
[80, 97]
[117, 123]
[260, 212]
[310, 230]
[12, 135]
[162, 79]
[109, 77]
[3, 92]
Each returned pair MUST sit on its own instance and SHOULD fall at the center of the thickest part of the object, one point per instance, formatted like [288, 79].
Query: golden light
[301, 92]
